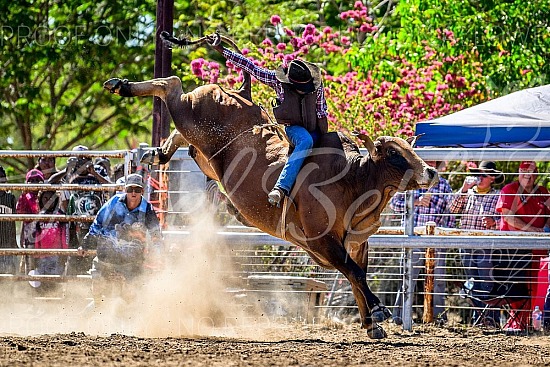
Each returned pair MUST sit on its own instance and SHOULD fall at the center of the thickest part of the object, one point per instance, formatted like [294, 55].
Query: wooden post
[429, 282]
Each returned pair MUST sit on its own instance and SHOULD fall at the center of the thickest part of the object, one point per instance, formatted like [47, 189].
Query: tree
[56, 55]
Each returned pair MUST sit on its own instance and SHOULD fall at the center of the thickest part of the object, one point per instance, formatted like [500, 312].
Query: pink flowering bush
[369, 86]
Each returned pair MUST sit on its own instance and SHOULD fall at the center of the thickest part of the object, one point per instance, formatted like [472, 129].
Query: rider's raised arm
[322, 108]
[264, 75]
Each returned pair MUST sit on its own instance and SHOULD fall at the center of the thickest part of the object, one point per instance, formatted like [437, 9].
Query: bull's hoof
[376, 332]
[150, 157]
[380, 313]
[118, 86]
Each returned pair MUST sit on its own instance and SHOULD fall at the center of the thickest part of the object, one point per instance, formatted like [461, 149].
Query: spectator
[46, 165]
[7, 228]
[119, 232]
[429, 205]
[525, 206]
[476, 202]
[102, 165]
[80, 171]
[28, 204]
[300, 106]
[118, 172]
[51, 235]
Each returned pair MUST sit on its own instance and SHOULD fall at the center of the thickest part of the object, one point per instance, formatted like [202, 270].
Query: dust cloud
[189, 296]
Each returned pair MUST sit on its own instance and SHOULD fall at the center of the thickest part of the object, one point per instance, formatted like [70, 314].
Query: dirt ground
[288, 345]
[185, 316]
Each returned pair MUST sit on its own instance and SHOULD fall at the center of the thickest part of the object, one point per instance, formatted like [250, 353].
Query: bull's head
[402, 167]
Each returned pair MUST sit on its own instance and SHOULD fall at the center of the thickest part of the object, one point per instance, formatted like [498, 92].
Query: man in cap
[300, 106]
[525, 206]
[476, 202]
[125, 228]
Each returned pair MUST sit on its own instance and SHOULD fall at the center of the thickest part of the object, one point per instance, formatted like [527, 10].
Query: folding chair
[510, 289]
[513, 298]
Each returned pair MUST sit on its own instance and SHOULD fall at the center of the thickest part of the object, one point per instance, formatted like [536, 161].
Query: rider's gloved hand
[215, 40]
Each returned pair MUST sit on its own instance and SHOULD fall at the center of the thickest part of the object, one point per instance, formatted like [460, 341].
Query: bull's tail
[246, 88]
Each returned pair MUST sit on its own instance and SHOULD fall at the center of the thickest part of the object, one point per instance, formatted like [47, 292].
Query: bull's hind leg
[334, 253]
[166, 89]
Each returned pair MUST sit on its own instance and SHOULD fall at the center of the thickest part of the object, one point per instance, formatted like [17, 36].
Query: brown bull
[336, 202]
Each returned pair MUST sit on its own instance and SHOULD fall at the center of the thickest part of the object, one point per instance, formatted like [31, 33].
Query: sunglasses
[132, 189]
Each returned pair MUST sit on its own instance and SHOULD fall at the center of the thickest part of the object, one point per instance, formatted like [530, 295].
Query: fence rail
[389, 246]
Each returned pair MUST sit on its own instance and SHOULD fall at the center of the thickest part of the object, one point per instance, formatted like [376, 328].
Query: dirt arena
[184, 316]
[289, 345]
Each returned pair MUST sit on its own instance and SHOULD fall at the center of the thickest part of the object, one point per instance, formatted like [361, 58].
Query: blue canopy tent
[517, 120]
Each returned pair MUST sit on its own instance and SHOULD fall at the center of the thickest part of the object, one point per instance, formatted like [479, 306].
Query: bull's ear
[367, 142]
[413, 139]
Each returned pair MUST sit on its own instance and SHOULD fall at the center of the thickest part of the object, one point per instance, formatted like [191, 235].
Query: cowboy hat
[302, 75]
[490, 168]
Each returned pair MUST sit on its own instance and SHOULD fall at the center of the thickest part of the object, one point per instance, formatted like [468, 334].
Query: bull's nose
[432, 173]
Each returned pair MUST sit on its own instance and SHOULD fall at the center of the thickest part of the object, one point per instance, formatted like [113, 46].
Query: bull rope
[283, 218]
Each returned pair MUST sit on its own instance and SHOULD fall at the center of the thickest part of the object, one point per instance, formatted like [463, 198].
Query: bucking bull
[336, 202]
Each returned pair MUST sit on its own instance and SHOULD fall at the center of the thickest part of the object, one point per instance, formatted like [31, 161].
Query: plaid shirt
[474, 207]
[268, 77]
[439, 205]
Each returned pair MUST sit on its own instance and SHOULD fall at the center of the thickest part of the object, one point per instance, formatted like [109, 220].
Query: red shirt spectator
[524, 206]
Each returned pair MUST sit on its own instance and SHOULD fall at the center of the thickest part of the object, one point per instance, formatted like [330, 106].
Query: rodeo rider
[300, 106]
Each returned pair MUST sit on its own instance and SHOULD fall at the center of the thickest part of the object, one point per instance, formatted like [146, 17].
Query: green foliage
[56, 56]
[387, 65]
[512, 38]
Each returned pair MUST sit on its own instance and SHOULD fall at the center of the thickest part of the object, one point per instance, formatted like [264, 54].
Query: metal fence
[391, 257]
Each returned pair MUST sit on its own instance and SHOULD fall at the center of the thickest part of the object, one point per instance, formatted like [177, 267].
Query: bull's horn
[413, 139]
[367, 142]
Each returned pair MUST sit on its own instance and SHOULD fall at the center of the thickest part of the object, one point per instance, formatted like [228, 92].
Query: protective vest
[297, 109]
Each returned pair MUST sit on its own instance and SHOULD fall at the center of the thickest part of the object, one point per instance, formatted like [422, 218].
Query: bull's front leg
[370, 308]
[164, 153]
[359, 252]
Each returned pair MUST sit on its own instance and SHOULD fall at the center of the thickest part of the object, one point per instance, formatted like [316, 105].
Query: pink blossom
[310, 29]
[267, 42]
[309, 39]
[358, 5]
[289, 32]
[345, 40]
[281, 46]
[275, 19]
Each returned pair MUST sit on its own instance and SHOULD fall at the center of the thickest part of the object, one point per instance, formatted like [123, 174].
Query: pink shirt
[51, 235]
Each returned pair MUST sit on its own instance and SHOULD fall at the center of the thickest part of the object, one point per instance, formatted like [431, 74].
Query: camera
[471, 180]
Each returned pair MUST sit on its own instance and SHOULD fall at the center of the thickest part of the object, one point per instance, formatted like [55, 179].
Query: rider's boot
[275, 196]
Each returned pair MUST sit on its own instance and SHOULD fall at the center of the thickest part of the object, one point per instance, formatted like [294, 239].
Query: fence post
[408, 281]
[429, 282]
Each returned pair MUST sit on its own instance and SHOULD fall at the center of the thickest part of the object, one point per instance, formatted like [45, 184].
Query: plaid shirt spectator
[439, 205]
[474, 207]
[267, 77]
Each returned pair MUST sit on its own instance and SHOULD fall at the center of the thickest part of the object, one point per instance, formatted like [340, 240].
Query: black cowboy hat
[490, 168]
[302, 75]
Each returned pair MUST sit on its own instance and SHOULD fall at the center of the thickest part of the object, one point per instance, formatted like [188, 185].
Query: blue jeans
[303, 142]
